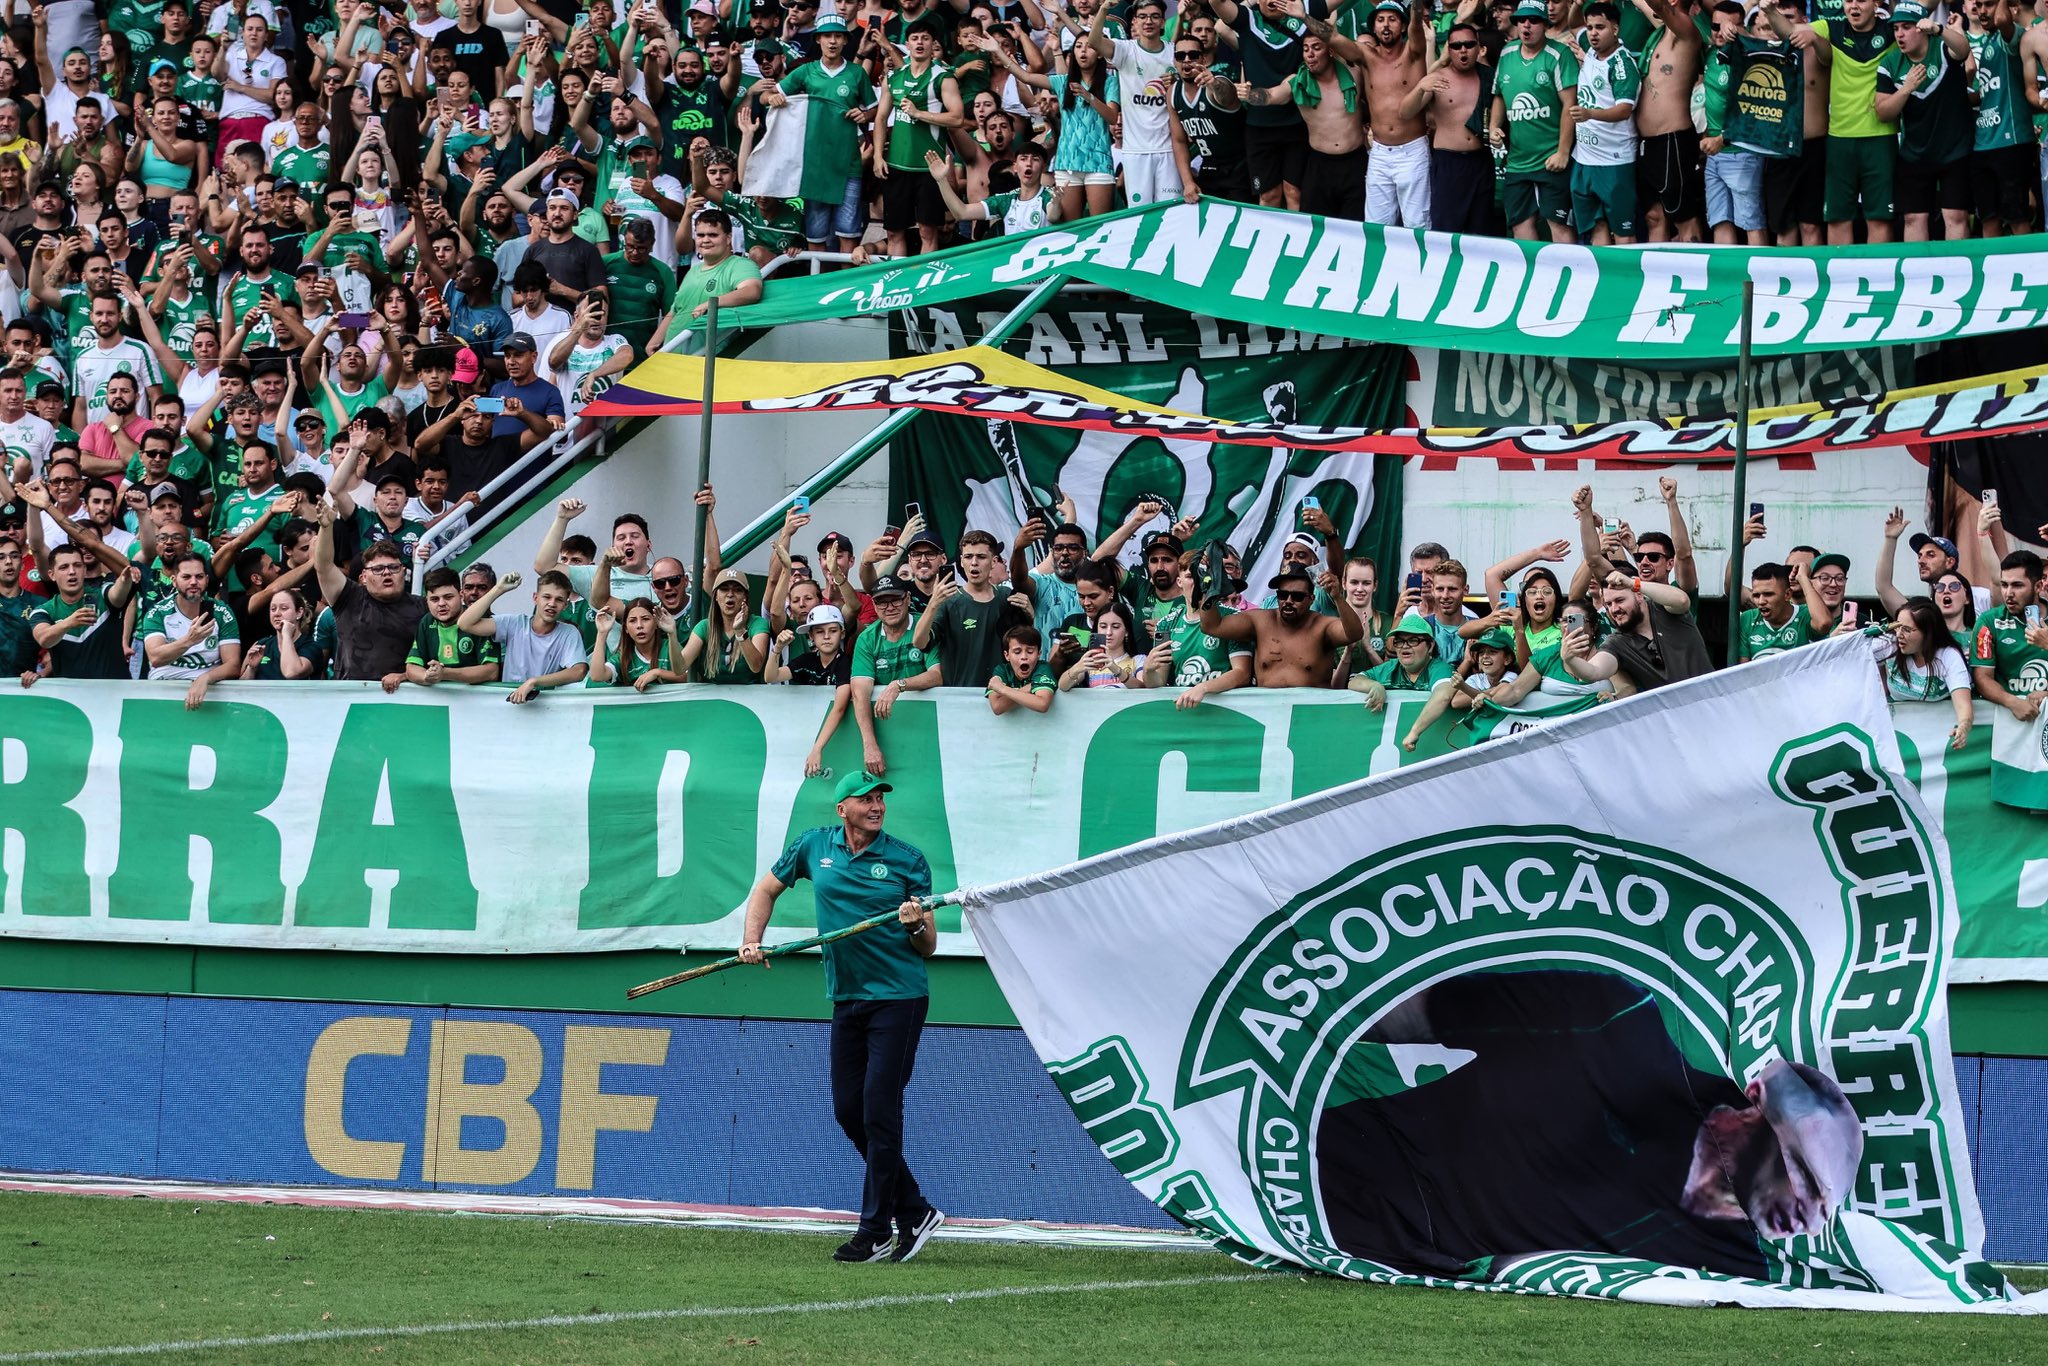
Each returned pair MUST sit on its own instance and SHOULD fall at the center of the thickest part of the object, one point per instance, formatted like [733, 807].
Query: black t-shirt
[575, 263]
[425, 416]
[1672, 652]
[471, 467]
[371, 638]
[807, 670]
[967, 636]
[481, 53]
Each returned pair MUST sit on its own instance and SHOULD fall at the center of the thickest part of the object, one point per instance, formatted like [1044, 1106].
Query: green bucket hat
[831, 23]
[1532, 9]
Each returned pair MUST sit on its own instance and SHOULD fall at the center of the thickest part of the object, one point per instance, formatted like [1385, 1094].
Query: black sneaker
[911, 1238]
[861, 1248]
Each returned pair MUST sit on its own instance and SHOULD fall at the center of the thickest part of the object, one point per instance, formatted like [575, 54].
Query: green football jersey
[1531, 89]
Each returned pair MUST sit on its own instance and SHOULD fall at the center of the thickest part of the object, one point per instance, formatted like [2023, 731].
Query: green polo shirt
[888, 661]
[1041, 679]
[1394, 678]
[880, 965]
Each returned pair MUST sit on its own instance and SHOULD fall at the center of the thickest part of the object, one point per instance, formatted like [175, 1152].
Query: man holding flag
[880, 995]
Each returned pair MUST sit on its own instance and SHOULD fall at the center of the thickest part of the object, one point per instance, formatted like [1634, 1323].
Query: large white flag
[775, 167]
[1647, 1004]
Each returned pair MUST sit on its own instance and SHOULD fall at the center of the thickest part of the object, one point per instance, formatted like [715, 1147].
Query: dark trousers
[874, 1047]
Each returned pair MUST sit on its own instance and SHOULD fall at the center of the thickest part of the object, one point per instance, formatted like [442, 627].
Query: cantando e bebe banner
[1647, 1005]
[1382, 284]
[329, 816]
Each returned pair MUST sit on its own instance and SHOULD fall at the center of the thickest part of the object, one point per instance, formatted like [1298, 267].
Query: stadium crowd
[289, 284]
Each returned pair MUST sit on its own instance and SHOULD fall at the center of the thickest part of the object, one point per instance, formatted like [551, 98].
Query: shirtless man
[1397, 176]
[1671, 180]
[1327, 92]
[1294, 646]
[1460, 166]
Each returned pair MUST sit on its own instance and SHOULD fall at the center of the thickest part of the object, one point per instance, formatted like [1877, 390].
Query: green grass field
[93, 1272]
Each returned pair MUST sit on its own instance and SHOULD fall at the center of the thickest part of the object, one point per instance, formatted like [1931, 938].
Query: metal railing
[537, 466]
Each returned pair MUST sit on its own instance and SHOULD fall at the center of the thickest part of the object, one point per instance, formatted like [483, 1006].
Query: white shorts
[1150, 177]
[1397, 184]
[1074, 180]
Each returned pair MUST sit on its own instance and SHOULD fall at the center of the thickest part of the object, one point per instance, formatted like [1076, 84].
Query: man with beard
[1455, 98]
[690, 107]
[1397, 188]
[111, 353]
[106, 446]
[1293, 646]
[1652, 643]
[257, 290]
[574, 266]
[1053, 596]
[1573, 1123]
[190, 637]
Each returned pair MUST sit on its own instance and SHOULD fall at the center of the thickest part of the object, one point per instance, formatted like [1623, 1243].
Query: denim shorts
[1735, 190]
[848, 218]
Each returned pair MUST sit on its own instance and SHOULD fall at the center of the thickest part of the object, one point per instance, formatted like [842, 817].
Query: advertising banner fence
[1646, 1005]
[330, 816]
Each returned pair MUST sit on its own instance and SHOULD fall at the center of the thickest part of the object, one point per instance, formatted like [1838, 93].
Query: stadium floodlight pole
[1740, 496]
[701, 598]
[831, 476]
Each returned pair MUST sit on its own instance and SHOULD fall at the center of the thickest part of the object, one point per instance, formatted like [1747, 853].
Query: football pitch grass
[95, 1278]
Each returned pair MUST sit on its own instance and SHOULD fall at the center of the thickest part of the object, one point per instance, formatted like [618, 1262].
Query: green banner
[439, 820]
[968, 473]
[1379, 284]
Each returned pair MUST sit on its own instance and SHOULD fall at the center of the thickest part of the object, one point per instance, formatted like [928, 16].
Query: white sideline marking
[421, 1330]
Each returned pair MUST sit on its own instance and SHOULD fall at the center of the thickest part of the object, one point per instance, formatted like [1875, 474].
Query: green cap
[1497, 639]
[830, 23]
[1908, 12]
[1532, 9]
[634, 144]
[859, 784]
[458, 143]
[1413, 625]
[1833, 557]
[1393, 7]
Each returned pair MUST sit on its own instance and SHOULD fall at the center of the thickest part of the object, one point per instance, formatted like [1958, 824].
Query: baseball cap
[465, 366]
[1497, 639]
[309, 268]
[730, 576]
[565, 196]
[458, 143]
[1290, 576]
[824, 614]
[830, 23]
[635, 143]
[13, 512]
[838, 538]
[709, 7]
[1908, 11]
[1921, 538]
[1159, 538]
[1396, 7]
[890, 586]
[1303, 538]
[518, 341]
[162, 64]
[284, 185]
[859, 784]
[930, 538]
[1532, 9]
[1833, 557]
[159, 492]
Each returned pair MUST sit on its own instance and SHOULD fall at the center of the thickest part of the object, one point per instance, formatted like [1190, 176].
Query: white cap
[824, 614]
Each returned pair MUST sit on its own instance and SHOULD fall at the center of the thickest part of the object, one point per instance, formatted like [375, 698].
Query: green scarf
[1308, 92]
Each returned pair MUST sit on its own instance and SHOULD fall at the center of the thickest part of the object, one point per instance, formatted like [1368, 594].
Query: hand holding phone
[801, 504]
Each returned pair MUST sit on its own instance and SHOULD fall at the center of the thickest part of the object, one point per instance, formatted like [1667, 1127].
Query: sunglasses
[1290, 595]
[671, 581]
[1193, 54]
[1460, 47]
[1651, 556]
[1952, 586]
